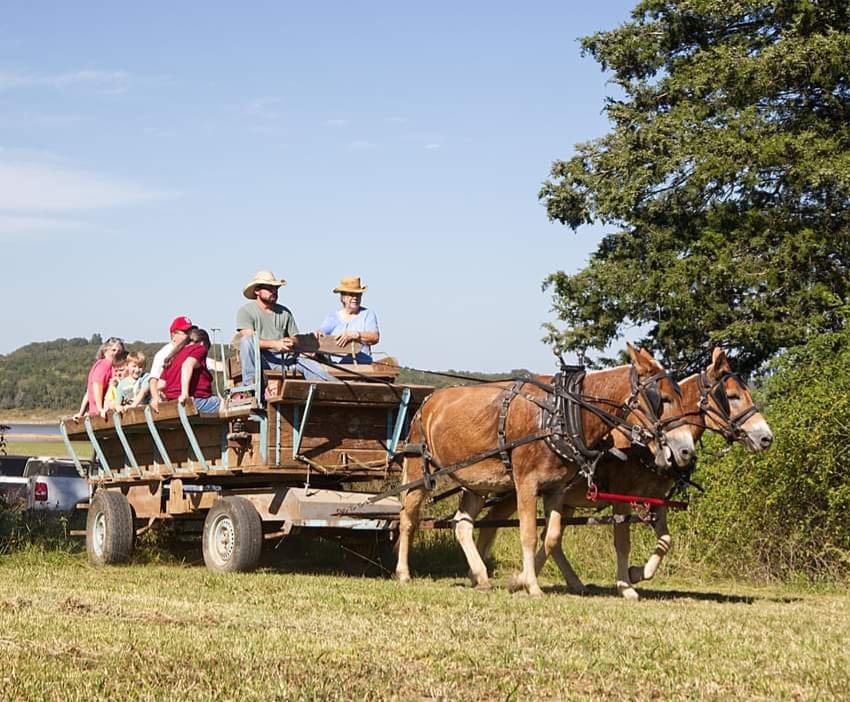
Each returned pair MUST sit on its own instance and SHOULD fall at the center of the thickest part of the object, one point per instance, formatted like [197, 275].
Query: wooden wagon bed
[335, 431]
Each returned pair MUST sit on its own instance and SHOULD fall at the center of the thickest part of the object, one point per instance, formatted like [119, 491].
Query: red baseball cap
[180, 324]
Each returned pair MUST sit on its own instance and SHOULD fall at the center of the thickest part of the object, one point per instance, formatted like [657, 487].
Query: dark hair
[197, 335]
[119, 359]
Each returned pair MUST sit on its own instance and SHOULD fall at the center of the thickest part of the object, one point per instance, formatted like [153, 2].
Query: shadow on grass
[660, 595]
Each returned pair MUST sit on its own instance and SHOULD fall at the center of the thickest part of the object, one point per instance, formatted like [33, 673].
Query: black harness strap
[428, 478]
[504, 452]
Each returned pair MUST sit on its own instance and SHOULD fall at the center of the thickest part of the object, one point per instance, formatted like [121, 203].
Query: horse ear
[719, 362]
[638, 358]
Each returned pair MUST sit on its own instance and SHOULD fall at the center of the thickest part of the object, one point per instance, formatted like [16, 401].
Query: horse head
[728, 408]
[656, 409]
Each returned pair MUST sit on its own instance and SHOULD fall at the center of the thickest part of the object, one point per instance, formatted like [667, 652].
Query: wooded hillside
[51, 375]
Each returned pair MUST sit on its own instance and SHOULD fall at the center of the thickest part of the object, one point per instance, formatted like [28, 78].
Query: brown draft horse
[716, 399]
[459, 423]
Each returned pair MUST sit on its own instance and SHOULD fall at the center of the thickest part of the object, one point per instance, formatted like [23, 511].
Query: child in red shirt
[188, 375]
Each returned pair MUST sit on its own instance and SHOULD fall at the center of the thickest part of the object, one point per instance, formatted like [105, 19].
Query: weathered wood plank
[296, 390]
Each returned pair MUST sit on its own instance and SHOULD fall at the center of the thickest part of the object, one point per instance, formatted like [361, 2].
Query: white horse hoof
[483, 586]
[627, 591]
[403, 579]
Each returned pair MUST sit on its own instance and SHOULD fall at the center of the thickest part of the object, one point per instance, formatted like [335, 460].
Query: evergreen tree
[725, 179]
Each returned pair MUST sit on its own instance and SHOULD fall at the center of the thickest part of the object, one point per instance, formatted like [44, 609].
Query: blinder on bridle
[731, 426]
[651, 409]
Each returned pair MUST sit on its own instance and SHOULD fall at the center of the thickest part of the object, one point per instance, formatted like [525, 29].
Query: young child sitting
[112, 401]
[134, 389]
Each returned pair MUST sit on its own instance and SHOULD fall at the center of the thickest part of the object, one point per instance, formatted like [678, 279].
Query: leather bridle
[714, 402]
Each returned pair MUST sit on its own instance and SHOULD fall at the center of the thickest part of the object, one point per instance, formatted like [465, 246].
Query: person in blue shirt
[352, 322]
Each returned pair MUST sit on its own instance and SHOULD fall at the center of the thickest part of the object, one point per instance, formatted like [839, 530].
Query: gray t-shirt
[271, 326]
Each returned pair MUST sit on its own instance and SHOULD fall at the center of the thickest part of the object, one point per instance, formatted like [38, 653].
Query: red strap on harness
[594, 495]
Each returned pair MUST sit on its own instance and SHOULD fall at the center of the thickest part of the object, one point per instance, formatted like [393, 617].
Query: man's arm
[280, 345]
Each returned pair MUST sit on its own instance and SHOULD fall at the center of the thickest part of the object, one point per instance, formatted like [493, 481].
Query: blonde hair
[138, 358]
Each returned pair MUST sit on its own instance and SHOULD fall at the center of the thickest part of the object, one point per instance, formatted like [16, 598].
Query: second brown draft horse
[715, 399]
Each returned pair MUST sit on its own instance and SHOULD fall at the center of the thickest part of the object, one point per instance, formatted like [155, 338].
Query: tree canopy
[725, 177]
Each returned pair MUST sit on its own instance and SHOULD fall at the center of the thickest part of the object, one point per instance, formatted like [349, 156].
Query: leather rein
[560, 424]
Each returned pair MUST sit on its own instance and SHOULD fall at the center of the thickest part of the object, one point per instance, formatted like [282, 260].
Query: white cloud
[30, 227]
[336, 122]
[108, 81]
[31, 187]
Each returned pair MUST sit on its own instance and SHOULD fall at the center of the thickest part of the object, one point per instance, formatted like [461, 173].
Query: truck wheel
[233, 536]
[109, 528]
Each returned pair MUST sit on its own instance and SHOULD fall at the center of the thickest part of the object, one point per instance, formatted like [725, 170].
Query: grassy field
[165, 627]
[47, 448]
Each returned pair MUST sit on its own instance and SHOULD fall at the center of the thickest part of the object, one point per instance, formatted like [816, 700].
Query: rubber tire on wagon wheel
[233, 536]
[109, 528]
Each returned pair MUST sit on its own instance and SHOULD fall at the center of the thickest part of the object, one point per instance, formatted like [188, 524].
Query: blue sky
[154, 156]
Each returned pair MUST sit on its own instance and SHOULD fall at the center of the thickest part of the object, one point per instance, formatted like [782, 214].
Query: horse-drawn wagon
[292, 458]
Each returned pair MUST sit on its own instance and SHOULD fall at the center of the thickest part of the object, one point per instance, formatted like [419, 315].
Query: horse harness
[731, 426]
[561, 425]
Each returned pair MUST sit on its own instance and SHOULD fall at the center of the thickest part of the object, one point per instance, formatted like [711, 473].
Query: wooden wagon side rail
[348, 430]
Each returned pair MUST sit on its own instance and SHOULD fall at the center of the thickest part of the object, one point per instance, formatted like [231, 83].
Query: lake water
[45, 430]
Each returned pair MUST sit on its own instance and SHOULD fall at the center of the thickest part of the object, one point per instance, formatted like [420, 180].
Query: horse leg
[527, 512]
[470, 505]
[408, 518]
[553, 546]
[487, 536]
[623, 546]
[662, 548]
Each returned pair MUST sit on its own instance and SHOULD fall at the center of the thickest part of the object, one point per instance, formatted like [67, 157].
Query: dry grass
[170, 630]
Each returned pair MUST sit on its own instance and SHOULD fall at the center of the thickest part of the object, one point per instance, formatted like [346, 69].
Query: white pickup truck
[47, 484]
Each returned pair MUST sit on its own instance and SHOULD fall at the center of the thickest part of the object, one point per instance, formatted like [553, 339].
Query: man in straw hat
[275, 326]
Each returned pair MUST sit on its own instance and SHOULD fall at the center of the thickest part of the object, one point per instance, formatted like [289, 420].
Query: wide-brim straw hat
[350, 285]
[261, 278]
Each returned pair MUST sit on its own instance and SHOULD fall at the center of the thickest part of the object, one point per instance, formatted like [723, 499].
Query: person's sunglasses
[270, 288]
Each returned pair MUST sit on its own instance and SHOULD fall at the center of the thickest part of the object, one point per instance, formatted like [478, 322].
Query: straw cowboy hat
[350, 285]
[262, 278]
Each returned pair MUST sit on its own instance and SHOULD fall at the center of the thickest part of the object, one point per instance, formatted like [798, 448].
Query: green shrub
[784, 513]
